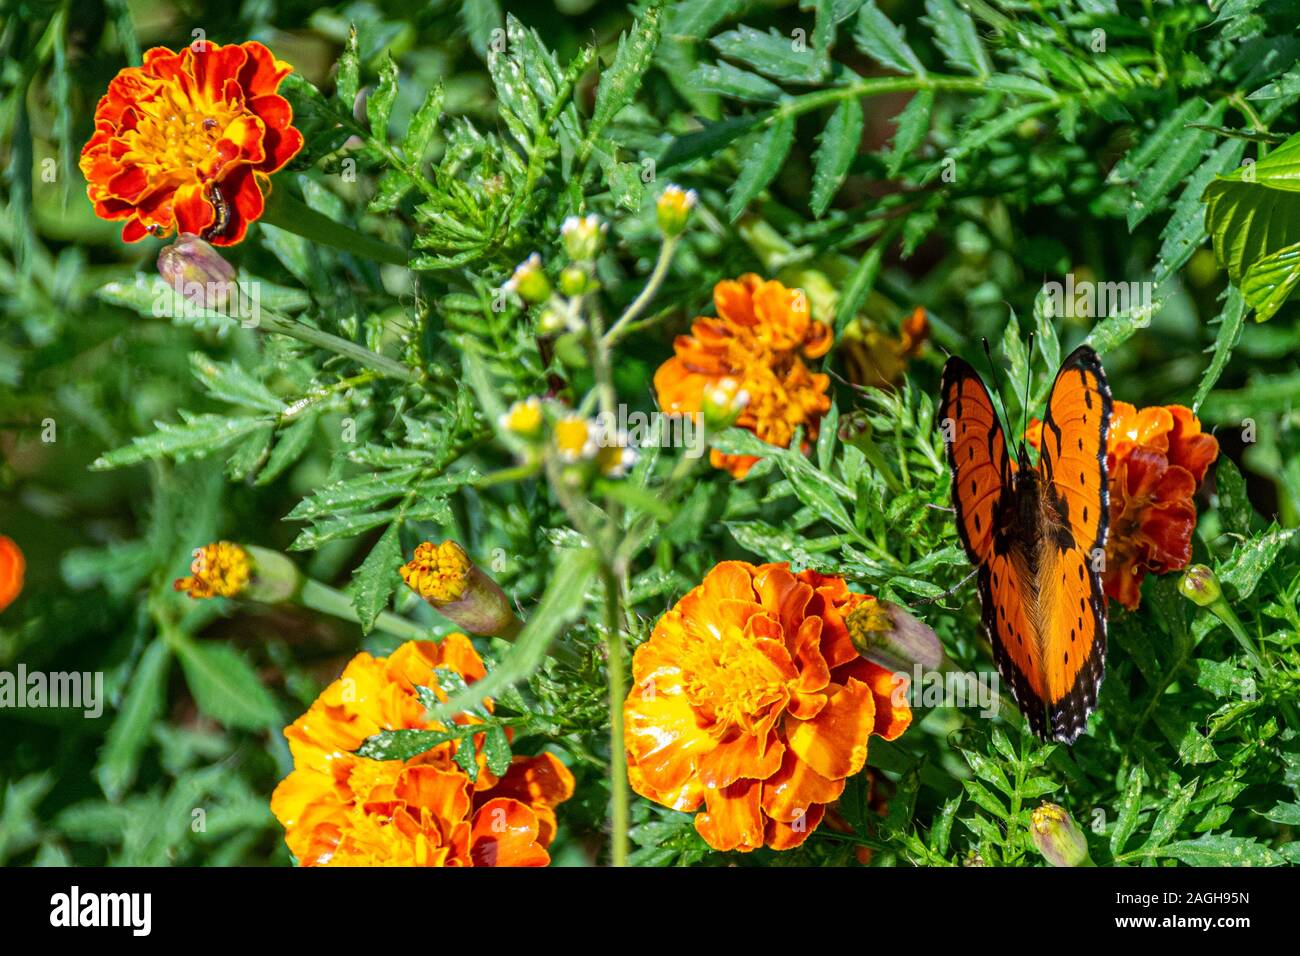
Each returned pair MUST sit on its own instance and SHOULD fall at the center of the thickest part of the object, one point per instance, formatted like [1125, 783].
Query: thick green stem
[286, 212]
[328, 600]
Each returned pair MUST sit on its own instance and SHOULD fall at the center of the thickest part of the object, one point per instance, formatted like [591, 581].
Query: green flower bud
[275, 577]
[583, 237]
[575, 280]
[1199, 585]
[197, 271]
[1058, 837]
[674, 208]
[891, 637]
[529, 280]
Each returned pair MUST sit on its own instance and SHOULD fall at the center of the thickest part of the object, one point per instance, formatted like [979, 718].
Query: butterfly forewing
[1072, 462]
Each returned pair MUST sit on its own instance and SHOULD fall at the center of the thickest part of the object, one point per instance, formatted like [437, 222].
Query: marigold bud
[582, 237]
[1200, 586]
[226, 569]
[459, 590]
[674, 208]
[552, 321]
[197, 271]
[887, 634]
[220, 569]
[529, 280]
[1058, 837]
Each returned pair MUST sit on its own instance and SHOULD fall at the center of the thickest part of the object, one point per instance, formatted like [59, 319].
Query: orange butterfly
[1037, 536]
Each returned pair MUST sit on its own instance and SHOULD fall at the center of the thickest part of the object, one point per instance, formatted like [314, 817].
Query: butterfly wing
[982, 490]
[1071, 603]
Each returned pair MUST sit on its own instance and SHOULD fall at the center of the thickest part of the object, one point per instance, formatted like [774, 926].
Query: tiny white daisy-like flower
[523, 418]
[576, 438]
[674, 207]
[582, 236]
[529, 280]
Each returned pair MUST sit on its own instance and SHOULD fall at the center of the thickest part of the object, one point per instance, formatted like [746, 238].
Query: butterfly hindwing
[1072, 603]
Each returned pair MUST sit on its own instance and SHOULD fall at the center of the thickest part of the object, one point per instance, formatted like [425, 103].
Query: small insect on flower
[188, 140]
[583, 236]
[673, 209]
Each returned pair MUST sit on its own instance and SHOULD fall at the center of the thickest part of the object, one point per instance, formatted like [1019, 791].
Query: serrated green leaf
[375, 580]
[128, 735]
[761, 158]
[379, 105]
[838, 145]
[196, 437]
[878, 37]
[618, 84]
[955, 35]
[225, 687]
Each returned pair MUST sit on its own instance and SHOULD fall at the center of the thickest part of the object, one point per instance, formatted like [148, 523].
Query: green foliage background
[951, 153]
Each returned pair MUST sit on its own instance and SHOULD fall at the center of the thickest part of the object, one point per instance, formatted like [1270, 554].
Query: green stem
[620, 327]
[328, 600]
[270, 322]
[619, 797]
[286, 212]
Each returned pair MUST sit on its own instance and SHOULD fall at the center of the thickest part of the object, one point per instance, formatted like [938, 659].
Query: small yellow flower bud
[220, 569]
[674, 208]
[615, 457]
[1058, 837]
[224, 569]
[459, 590]
[529, 280]
[524, 418]
[582, 236]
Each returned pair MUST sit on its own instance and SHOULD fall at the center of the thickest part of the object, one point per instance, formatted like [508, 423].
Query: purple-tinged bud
[1058, 837]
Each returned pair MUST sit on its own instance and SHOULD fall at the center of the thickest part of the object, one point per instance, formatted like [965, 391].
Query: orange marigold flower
[759, 340]
[341, 809]
[750, 699]
[1156, 458]
[188, 140]
[12, 568]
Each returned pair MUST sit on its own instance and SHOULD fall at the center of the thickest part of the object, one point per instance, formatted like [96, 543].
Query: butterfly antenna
[1029, 378]
[997, 384]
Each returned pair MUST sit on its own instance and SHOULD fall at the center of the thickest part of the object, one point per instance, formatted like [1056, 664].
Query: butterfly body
[1037, 535]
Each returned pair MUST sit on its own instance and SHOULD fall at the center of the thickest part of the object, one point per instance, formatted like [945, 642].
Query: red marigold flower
[751, 701]
[341, 809]
[1156, 458]
[188, 140]
[762, 334]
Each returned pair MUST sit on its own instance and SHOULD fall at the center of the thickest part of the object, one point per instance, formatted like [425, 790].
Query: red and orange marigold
[12, 568]
[750, 701]
[757, 345]
[188, 140]
[341, 809]
[1156, 458]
